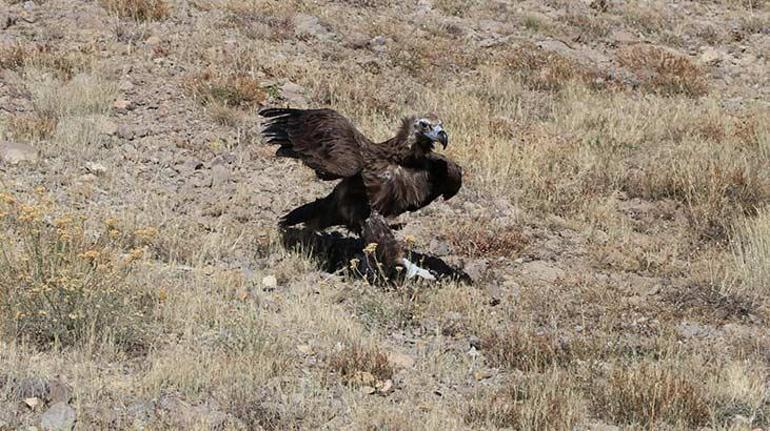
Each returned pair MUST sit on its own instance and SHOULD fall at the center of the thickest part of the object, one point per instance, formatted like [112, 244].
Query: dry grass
[545, 401]
[60, 286]
[751, 250]
[357, 365]
[480, 238]
[662, 71]
[138, 10]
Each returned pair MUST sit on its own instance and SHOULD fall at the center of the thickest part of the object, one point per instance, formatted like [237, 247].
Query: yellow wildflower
[410, 240]
[112, 223]
[146, 234]
[371, 248]
[162, 295]
[40, 190]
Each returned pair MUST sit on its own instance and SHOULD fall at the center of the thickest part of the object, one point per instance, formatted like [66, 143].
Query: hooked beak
[437, 134]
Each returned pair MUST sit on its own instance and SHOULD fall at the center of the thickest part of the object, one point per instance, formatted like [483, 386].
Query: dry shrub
[649, 393]
[527, 349]
[482, 239]
[662, 71]
[543, 70]
[63, 64]
[60, 285]
[548, 401]
[138, 10]
[31, 127]
[354, 361]
[231, 91]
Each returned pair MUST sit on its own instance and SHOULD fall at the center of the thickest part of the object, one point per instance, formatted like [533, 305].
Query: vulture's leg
[389, 251]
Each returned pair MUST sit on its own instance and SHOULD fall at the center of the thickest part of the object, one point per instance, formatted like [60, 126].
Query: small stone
[59, 417]
[710, 56]
[220, 174]
[480, 375]
[14, 153]
[33, 402]
[152, 40]
[439, 248]
[400, 360]
[59, 391]
[6, 20]
[306, 26]
[122, 105]
[96, 168]
[368, 390]
[476, 269]
[294, 94]
[126, 132]
[269, 282]
[29, 6]
[108, 127]
[386, 386]
[305, 349]
[378, 41]
[125, 85]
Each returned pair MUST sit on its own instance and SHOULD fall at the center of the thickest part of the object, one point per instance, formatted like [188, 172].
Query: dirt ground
[613, 217]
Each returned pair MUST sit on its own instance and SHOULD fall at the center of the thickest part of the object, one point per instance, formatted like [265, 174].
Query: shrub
[62, 286]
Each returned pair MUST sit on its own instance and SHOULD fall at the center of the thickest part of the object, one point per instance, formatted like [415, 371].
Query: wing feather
[323, 139]
[394, 189]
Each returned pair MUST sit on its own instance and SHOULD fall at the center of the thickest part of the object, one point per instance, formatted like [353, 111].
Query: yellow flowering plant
[60, 285]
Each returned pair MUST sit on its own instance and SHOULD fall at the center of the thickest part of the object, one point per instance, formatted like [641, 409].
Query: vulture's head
[427, 131]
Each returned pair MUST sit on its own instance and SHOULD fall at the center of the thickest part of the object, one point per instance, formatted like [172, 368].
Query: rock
[59, 417]
[378, 41]
[400, 360]
[6, 20]
[368, 390]
[623, 37]
[122, 105]
[476, 269]
[269, 282]
[385, 387]
[710, 56]
[107, 127]
[14, 153]
[33, 402]
[126, 132]
[694, 330]
[96, 168]
[29, 6]
[220, 174]
[543, 271]
[439, 248]
[294, 94]
[152, 40]
[424, 6]
[59, 391]
[125, 85]
[307, 26]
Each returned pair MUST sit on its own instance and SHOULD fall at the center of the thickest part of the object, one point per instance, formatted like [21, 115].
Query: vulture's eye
[423, 124]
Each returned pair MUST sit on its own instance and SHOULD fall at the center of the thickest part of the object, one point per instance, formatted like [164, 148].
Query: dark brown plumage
[378, 179]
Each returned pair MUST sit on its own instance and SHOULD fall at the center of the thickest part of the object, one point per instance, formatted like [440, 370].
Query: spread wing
[397, 188]
[323, 139]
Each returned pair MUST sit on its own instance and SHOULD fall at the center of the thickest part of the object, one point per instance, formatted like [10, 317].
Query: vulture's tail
[313, 214]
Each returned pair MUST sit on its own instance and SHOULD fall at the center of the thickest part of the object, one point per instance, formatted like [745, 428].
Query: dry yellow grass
[139, 10]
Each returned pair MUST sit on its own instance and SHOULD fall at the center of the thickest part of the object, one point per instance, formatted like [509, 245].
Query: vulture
[378, 180]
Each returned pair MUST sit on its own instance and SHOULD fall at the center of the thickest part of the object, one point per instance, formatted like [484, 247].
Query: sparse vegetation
[138, 10]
